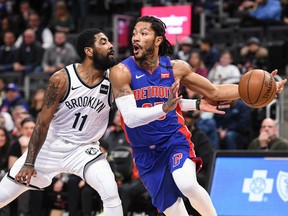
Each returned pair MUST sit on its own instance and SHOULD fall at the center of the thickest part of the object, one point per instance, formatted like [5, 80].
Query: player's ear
[88, 51]
[158, 40]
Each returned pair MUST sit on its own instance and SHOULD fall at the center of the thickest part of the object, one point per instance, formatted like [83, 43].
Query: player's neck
[89, 74]
[149, 63]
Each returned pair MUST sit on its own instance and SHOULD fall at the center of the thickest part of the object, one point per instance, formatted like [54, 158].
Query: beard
[103, 63]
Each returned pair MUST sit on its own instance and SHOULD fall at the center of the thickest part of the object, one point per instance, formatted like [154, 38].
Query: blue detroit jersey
[150, 90]
[163, 145]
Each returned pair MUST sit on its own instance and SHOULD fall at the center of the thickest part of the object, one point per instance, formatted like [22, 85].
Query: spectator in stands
[19, 113]
[203, 148]
[260, 12]
[186, 46]
[21, 18]
[62, 19]
[6, 25]
[17, 149]
[7, 52]
[209, 54]
[6, 121]
[13, 99]
[253, 55]
[115, 136]
[203, 120]
[224, 71]
[197, 64]
[202, 145]
[43, 35]
[61, 53]
[2, 88]
[268, 138]
[233, 127]
[132, 190]
[29, 55]
[37, 102]
[4, 151]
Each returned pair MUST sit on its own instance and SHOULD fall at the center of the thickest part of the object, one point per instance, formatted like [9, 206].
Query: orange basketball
[257, 88]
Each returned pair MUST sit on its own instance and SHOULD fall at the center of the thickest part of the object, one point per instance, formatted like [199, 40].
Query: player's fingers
[28, 179]
[220, 112]
[274, 72]
[224, 102]
[175, 88]
[223, 106]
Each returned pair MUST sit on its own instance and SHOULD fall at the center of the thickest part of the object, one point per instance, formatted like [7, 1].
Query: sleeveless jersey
[83, 114]
[150, 90]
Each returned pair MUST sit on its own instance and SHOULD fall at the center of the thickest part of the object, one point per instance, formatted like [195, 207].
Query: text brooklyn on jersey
[86, 101]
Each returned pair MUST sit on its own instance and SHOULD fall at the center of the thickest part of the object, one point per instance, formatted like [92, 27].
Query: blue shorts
[155, 169]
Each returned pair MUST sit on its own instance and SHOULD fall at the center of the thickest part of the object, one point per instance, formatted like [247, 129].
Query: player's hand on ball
[25, 174]
[279, 85]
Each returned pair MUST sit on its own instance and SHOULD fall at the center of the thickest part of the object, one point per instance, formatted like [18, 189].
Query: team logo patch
[92, 151]
[176, 159]
[104, 89]
[282, 185]
[165, 75]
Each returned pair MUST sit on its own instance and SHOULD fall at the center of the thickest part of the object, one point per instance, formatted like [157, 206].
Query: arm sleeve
[135, 116]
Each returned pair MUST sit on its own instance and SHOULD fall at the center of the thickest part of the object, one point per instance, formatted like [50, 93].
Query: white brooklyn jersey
[82, 115]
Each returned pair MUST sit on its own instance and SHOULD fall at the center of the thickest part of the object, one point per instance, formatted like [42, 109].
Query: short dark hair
[86, 39]
[159, 28]
[25, 120]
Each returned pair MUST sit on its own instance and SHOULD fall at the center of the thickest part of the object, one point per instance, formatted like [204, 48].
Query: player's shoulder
[178, 63]
[59, 78]
[119, 69]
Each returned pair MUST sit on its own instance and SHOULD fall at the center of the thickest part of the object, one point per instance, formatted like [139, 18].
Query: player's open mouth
[136, 48]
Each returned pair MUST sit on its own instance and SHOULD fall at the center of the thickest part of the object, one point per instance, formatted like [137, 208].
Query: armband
[29, 164]
[198, 101]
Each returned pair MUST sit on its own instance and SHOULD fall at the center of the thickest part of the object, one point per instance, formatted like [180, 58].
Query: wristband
[264, 147]
[187, 104]
[29, 164]
[198, 101]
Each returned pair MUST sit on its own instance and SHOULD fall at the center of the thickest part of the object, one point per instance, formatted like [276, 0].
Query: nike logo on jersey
[73, 88]
[138, 77]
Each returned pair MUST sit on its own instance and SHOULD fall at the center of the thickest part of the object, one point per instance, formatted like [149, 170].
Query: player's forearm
[135, 116]
[36, 142]
[226, 92]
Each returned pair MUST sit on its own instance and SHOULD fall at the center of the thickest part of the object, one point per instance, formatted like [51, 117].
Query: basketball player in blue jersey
[73, 118]
[153, 121]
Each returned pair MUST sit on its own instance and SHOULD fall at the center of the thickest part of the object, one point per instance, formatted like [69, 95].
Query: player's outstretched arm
[197, 83]
[134, 116]
[54, 93]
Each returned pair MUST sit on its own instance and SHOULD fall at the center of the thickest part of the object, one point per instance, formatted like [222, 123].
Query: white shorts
[59, 156]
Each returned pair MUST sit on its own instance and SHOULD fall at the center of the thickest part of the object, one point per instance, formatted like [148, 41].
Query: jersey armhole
[68, 86]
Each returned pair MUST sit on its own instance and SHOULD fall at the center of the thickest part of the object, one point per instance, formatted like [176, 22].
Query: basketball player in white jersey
[73, 118]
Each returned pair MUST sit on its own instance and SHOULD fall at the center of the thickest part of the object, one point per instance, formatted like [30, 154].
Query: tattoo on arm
[50, 95]
[123, 92]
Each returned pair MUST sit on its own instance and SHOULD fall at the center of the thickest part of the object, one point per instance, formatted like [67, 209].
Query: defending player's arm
[134, 116]
[55, 91]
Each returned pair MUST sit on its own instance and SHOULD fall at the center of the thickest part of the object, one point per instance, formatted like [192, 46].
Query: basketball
[257, 88]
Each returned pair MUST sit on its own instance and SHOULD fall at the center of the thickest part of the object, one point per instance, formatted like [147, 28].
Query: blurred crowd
[33, 39]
